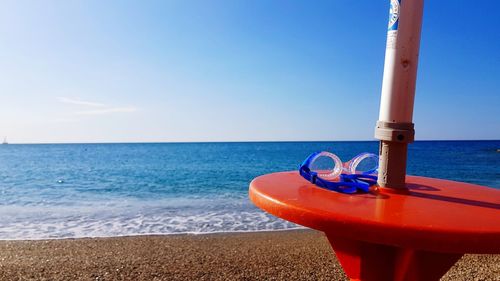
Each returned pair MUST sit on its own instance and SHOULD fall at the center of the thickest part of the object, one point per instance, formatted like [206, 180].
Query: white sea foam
[104, 221]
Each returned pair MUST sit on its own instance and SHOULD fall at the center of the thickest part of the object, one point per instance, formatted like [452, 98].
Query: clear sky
[234, 70]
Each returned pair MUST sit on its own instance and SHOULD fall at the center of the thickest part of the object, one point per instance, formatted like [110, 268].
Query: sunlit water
[95, 190]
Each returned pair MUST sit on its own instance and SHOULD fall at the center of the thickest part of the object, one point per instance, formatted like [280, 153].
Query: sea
[52, 191]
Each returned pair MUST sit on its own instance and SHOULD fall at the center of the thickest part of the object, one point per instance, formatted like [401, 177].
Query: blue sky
[134, 71]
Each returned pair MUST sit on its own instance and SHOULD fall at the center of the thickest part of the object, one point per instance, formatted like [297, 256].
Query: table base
[373, 262]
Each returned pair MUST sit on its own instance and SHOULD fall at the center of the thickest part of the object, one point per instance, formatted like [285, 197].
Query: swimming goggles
[326, 170]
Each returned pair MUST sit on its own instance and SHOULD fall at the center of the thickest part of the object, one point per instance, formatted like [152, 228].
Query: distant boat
[5, 140]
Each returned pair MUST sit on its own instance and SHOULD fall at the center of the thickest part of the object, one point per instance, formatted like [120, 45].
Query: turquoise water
[93, 190]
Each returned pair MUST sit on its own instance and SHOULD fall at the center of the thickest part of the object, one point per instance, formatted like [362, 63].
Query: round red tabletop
[434, 215]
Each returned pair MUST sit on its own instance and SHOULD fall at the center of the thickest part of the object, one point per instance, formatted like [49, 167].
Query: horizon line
[251, 141]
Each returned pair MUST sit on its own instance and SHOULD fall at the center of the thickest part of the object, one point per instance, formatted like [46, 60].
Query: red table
[414, 235]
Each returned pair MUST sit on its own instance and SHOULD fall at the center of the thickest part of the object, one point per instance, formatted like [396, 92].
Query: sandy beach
[281, 255]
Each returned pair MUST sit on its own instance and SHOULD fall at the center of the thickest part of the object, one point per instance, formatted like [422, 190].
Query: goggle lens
[365, 163]
[326, 165]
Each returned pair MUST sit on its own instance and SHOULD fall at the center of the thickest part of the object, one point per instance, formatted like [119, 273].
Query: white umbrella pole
[395, 128]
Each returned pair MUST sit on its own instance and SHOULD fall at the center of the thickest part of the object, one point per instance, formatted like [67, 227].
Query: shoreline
[299, 254]
[157, 234]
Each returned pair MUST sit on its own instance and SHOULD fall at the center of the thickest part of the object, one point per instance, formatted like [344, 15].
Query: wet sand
[282, 255]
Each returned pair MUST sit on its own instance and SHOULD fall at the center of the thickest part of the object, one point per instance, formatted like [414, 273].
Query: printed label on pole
[394, 15]
[392, 29]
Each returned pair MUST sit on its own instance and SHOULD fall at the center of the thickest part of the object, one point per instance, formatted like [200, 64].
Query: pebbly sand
[282, 255]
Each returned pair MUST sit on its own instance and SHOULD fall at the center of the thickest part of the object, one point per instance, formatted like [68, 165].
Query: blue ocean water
[96, 190]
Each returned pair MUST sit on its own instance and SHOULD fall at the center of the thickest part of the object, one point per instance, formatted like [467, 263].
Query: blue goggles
[326, 170]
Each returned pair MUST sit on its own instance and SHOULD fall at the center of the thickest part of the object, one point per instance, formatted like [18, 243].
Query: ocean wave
[148, 221]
